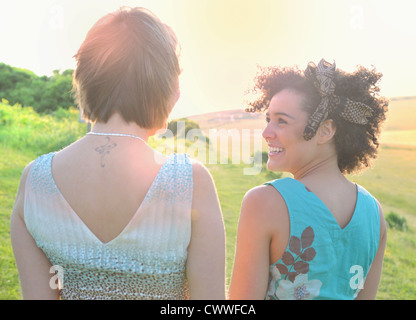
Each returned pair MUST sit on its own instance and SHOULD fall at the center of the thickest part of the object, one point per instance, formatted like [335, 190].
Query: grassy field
[392, 180]
[24, 135]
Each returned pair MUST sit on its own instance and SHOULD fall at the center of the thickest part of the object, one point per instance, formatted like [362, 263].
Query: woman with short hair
[112, 216]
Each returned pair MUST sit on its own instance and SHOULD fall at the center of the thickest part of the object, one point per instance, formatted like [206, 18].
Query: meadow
[392, 179]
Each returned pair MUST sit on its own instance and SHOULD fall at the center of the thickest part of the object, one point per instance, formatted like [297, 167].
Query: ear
[326, 131]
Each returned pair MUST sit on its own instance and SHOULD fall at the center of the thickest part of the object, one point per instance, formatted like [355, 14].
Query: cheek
[300, 151]
[294, 138]
[307, 152]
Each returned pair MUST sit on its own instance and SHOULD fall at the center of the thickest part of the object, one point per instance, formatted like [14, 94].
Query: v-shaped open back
[146, 260]
[155, 184]
[312, 195]
[320, 254]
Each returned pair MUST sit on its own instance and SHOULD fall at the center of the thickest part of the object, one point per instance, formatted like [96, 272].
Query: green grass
[26, 131]
[23, 136]
[232, 184]
[398, 278]
[12, 163]
[392, 180]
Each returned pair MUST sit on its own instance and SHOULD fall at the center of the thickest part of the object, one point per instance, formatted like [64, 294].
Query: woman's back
[116, 246]
[320, 236]
[323, 260]
[111, 174]
[114, 214]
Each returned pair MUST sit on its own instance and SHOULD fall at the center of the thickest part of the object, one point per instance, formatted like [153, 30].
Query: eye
[267, 119]
[281, 120]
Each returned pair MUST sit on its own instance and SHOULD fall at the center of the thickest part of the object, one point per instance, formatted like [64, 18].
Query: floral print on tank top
[292, 274]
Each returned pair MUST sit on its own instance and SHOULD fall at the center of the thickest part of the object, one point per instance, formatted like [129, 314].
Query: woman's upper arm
[205, 267]
[257, 224]
[32, 264]
[372, 280]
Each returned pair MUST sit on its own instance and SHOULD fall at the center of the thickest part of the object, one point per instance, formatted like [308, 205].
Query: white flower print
[294, 266]
[274, 276]
[300, 289]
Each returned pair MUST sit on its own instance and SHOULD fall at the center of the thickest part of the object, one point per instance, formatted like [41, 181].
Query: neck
[116, 124]
[321, 167]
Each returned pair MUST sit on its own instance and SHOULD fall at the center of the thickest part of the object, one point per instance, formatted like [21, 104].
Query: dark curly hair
[356, 145]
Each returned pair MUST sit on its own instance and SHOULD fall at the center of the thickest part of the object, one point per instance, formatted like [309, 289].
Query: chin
[273, 166]
[277, 167]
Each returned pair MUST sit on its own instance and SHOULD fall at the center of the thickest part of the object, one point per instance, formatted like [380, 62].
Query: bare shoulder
[19, 202]
[202, 178]
[383, 224]
[26, 171]
[264, 199]
[264, 207]
[207, 217]
[204, 191]
[200, 171]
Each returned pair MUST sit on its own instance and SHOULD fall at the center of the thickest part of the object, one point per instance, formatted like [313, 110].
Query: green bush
[271, 175]
[23, 129]
[395, 221]
[189, 125]
[44, 94]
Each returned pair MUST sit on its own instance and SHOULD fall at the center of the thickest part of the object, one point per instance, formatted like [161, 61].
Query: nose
[267, 133]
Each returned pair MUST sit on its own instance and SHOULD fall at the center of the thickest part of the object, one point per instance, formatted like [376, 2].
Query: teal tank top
[322, 260]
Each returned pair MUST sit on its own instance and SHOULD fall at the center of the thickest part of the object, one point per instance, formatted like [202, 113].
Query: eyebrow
[280, 114]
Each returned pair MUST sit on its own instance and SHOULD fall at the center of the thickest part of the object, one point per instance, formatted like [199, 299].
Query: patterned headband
[322, 77]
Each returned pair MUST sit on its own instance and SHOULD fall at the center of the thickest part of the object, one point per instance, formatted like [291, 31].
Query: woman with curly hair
[316, 235]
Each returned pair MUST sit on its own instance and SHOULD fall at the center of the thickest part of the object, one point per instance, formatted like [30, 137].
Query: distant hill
[401, 116]
[224, 117]
[228, 119]
[403, 98]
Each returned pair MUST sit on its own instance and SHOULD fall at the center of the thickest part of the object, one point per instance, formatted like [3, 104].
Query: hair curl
[356, 145]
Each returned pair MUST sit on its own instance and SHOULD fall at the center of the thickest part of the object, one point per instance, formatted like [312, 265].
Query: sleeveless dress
[145, 261]
[322, 260]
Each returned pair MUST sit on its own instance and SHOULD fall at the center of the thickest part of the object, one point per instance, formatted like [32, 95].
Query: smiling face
[286, 117]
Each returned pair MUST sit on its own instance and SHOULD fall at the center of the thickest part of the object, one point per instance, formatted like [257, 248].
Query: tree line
[48, 94]
[45, 94]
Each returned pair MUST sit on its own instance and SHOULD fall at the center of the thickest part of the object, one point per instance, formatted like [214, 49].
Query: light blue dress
[145, 261]
[322, 260]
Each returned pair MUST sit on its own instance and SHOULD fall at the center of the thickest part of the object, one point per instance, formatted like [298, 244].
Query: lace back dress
[145, 261]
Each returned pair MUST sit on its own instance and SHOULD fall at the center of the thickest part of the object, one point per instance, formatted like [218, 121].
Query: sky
[224, 41]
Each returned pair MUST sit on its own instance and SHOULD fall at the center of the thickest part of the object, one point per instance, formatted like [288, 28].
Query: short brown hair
[128, 63]
[355, 144]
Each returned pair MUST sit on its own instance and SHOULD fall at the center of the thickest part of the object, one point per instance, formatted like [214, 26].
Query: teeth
[275, 150]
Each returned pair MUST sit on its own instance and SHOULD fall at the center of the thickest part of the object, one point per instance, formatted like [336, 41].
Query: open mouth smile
[275, 150]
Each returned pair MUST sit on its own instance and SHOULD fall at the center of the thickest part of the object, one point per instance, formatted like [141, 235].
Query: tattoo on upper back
[104, 150]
